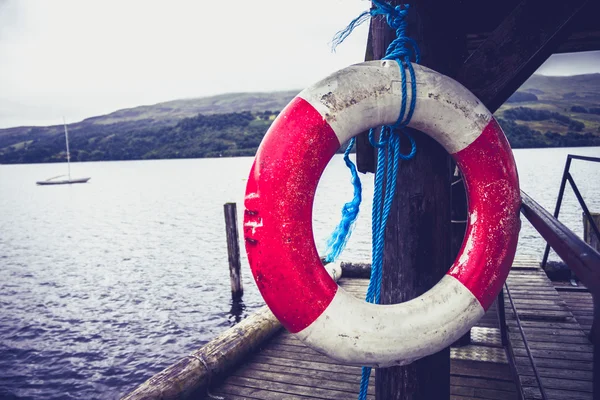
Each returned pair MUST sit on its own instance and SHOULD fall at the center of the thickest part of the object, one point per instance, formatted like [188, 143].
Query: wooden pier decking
[284, 368]
[287, 369]
[560, 348]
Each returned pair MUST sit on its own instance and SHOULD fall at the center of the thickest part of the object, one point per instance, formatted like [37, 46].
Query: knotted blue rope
[402, 49]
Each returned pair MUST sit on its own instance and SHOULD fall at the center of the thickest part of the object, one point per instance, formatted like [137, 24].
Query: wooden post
[233, 250]
[588, 233]
[418, 234]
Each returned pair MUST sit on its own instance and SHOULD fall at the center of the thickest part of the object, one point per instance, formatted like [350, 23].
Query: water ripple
[103, 285]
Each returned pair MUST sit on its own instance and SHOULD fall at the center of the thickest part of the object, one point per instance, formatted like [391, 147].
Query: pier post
[417, 250]
[233, 250]
[589, 235]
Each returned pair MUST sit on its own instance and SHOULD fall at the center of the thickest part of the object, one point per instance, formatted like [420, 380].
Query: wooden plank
[416, 246]
[482, 393]
[316, 366]
[234, 392]
[333, 374]
[555, 394]
[308, 391]
[534, 337]
[532, 393]
[314, 381]
[296, 356]
[570, 347]
[569, 325]
[457, 368]
[456, 397]
[248, 389]
[480, 369]
[556, 372]
[483, 383]
[554, 363]
[560, 383]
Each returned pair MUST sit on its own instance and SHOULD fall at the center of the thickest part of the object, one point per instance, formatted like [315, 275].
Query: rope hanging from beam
[401, 49]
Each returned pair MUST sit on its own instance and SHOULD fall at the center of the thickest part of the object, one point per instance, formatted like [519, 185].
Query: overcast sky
[85, 58]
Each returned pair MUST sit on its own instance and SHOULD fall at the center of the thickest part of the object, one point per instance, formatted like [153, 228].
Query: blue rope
[339, 237]
[402, 49]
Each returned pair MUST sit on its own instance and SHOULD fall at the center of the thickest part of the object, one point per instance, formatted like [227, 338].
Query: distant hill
[42, 144]
[168, 113]
[545, 111]
[171, 112]
[554, 111]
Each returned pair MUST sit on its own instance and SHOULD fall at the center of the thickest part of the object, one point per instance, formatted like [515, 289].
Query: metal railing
[580, 257]
[567, 177]
[508, 348]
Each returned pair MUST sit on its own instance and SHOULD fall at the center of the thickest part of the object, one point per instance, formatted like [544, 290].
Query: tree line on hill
[521, 136]
[234, 134]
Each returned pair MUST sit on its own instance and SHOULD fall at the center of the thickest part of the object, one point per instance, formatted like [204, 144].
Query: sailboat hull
[53, 180]
[64, 181]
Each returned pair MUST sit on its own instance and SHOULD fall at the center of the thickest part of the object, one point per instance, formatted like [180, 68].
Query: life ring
[278, 216]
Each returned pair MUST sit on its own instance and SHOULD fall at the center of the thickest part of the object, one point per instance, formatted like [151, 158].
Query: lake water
[104, 284]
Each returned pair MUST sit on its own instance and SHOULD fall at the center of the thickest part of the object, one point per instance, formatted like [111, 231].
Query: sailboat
[54, 180]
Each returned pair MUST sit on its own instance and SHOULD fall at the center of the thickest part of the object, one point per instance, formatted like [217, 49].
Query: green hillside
[554, 111]
[546, 111]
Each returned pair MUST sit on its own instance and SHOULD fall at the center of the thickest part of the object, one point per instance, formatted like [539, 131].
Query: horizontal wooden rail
[578, 255]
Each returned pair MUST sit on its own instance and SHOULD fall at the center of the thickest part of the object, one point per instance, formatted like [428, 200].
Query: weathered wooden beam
[506, 57]
[366, 157]
[356, 269]
[516, 48]
[233, 250]
[417, 242]
[575, 43]
[192, 376]
[589, 236]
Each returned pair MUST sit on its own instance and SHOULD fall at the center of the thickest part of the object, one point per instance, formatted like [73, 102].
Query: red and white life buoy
[278, 217]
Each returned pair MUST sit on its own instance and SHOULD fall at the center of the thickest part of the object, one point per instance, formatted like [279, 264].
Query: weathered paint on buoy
[278, 217]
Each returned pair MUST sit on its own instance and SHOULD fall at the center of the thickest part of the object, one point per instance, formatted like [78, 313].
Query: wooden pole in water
[233, 250]
[418, 234]
[589, 236]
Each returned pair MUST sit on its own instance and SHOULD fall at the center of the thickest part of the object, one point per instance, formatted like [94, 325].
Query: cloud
[84, 58]
[571, 64]
[96, 57]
